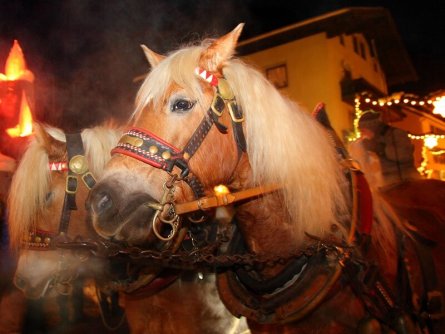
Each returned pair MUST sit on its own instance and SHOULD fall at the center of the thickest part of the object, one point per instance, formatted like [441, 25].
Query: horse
[302, 251]
[36, 215]
[46, 269]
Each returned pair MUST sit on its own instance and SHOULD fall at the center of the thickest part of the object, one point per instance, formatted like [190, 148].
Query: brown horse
[300, 252]
[38, 193]
[35, 208]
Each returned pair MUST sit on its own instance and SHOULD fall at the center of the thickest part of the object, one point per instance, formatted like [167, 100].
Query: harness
[305, 281]
[77, 166]
[145, 146]
[393, 308]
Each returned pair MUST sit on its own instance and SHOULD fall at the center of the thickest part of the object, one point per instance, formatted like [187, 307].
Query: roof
[375, 23]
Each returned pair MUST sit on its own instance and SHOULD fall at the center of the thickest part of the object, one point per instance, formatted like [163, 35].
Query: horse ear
[153, 58]
[45, 139]
[220, 50]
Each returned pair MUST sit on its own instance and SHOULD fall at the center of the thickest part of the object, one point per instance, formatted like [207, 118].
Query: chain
[206, 257]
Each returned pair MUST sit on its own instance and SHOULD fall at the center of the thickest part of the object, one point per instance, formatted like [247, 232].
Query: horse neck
[262, 217]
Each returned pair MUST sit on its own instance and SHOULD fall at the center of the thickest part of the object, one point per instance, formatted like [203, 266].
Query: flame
[24, 128]
[15, 67]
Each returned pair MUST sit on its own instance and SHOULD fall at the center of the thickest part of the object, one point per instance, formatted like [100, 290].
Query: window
[362, 50]
[355, 44]
[277, 75]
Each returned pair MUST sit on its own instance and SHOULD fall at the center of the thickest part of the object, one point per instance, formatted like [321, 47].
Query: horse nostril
[103, 203]
[19, 282]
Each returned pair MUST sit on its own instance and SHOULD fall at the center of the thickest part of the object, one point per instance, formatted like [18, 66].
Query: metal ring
[158, 234]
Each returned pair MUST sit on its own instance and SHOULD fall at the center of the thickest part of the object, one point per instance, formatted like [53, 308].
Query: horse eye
[182, 105]
[49, 197]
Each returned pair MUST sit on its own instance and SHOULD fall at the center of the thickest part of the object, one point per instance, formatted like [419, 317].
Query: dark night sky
[88, 50]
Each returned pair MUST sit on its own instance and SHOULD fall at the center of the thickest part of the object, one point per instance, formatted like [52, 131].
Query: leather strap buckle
[434, 305]
[71, 184]
[235, 114]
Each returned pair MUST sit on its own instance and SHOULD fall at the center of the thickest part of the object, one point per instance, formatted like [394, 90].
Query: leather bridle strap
[77, 165]
[145, 146]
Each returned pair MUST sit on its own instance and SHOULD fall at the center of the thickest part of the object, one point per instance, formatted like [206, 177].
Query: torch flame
[15, 67]
[24, 128]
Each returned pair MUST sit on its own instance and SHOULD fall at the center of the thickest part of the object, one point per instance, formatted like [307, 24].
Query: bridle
[145, 146]
[77, 167]
[44, 240]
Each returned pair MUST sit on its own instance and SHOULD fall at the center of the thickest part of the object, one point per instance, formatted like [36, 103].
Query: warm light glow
[430, 142]
[221, 190]
[24, 128]
[15, 67]
[439, 106]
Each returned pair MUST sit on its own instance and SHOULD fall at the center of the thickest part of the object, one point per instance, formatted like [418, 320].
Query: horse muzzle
[120, 216]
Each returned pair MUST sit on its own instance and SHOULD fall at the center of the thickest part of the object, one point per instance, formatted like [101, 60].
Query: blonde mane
[285, 144]
[32, 179]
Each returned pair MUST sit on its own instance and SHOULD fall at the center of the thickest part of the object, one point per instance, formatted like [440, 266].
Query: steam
[85, 54]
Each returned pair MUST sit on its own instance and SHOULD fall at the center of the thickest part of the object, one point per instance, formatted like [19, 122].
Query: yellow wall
[315, 67]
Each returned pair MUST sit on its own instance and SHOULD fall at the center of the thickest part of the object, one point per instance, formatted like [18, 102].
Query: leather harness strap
[77, 166]
[145, 146]
[73, 148]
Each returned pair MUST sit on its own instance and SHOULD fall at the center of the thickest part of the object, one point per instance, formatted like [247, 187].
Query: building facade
[349, 59]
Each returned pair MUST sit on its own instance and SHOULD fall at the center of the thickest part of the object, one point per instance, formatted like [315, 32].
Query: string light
[405, 99]
[439, 106]
[423, 168]
[434, 105]
[430, 141]
[356, 133]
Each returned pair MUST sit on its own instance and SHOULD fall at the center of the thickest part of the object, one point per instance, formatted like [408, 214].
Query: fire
[24, 128]
[15, 70]
[15, 67]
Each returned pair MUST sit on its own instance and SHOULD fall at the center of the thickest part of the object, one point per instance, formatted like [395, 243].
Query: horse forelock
[98, 143]
[287, 146]
[179, 68]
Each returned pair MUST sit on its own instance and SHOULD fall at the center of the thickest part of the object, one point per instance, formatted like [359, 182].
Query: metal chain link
[207, 256]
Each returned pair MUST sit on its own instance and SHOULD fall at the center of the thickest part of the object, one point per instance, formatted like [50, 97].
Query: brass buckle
[212, 106]
[89, 180]
[435, 305]
[232, 113]
[67, 185]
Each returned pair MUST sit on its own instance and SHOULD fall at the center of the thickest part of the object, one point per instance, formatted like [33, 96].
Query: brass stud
[186, 156]
[78, 164]
[37, 239]
[135, 141]
[153, 149]
[224, 89]
[47, 240]
[166, 155]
